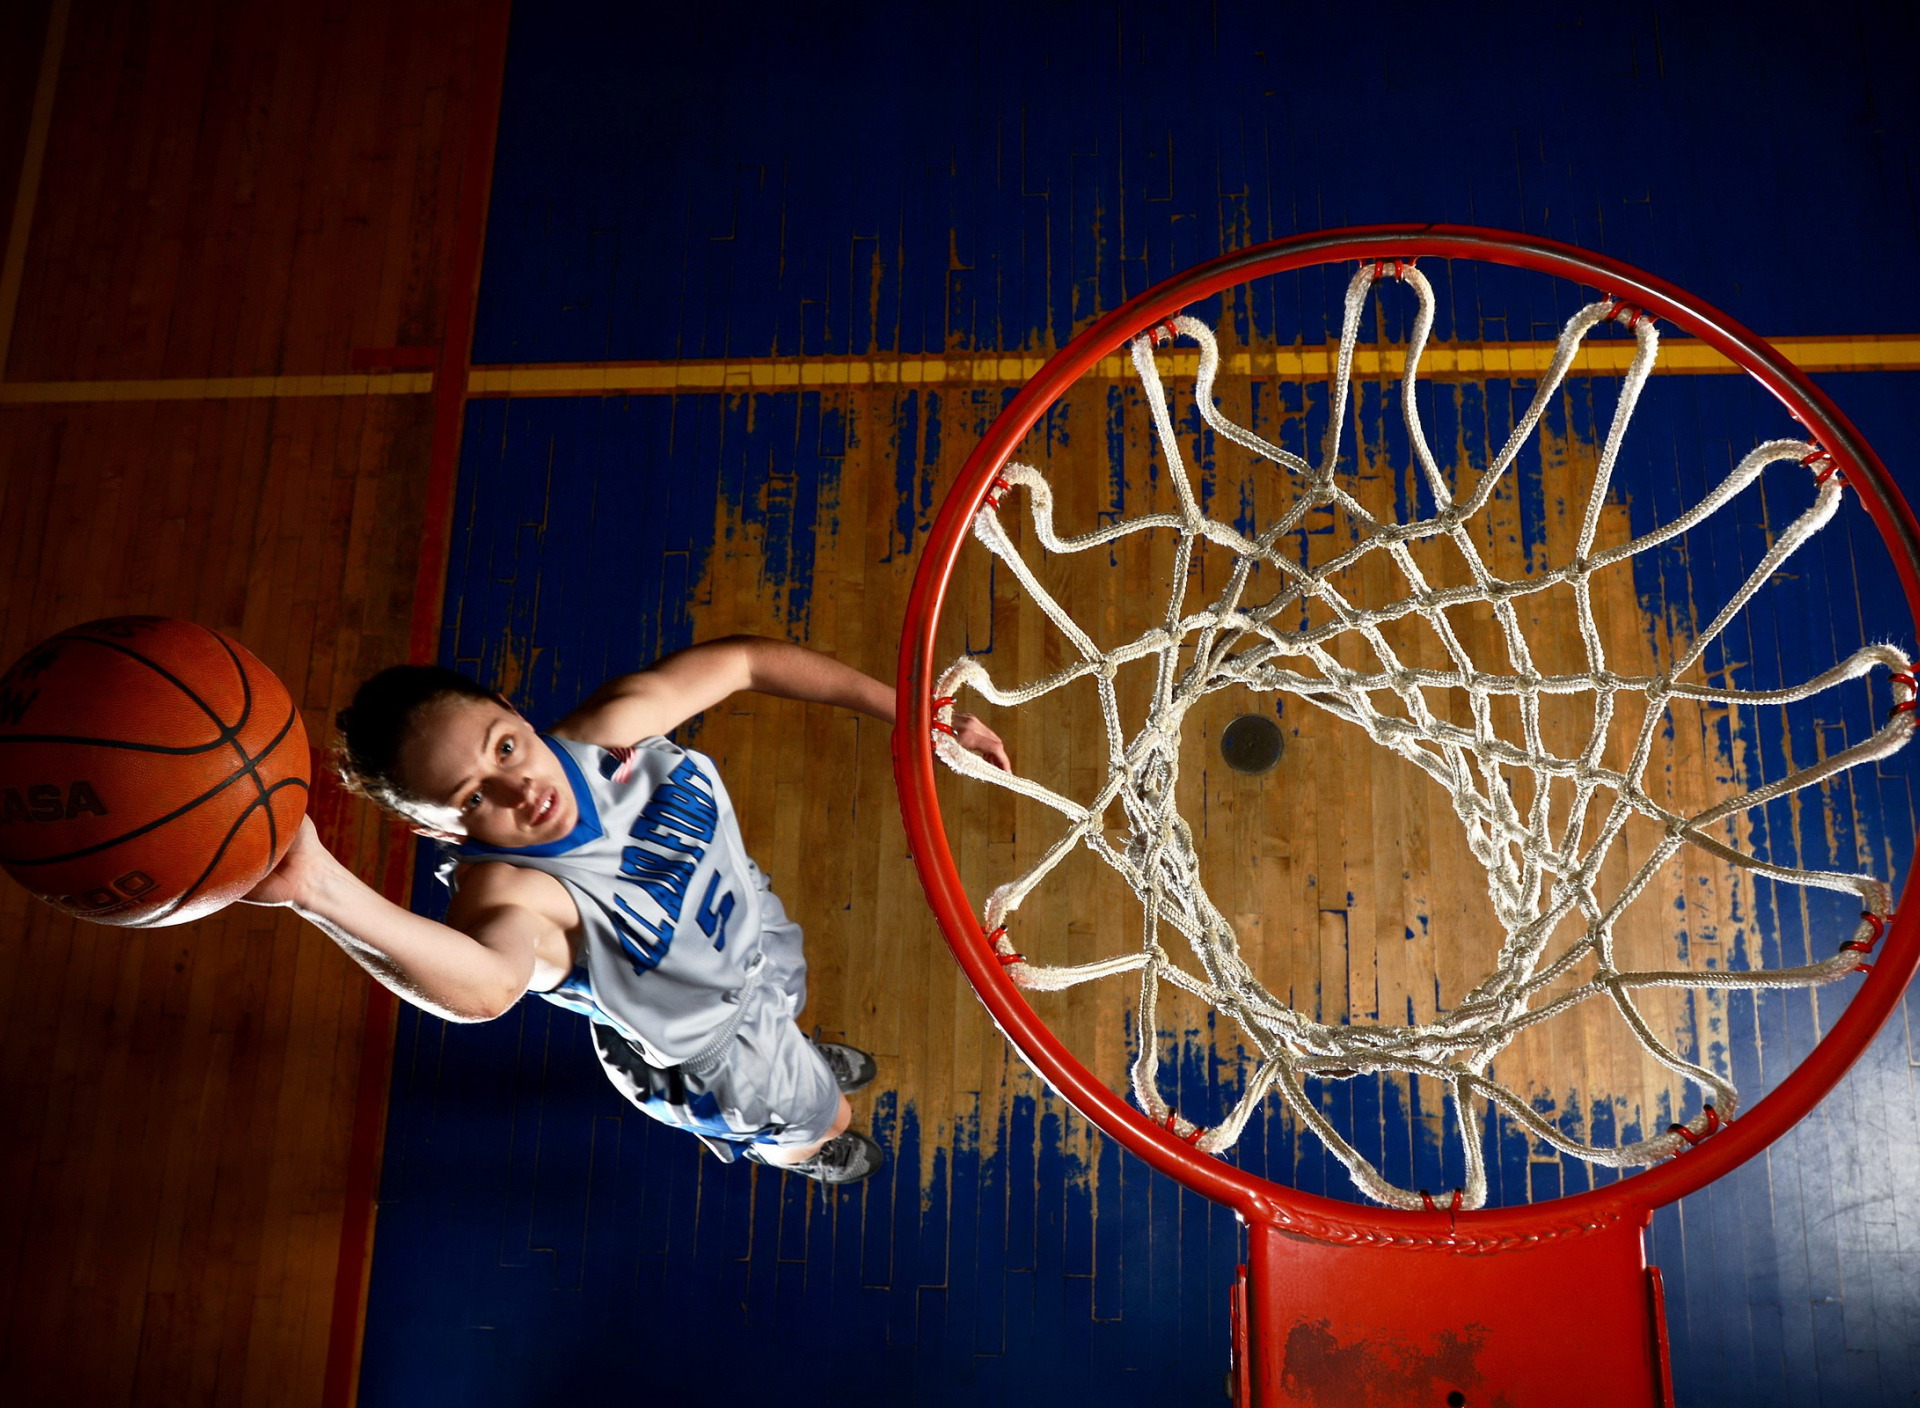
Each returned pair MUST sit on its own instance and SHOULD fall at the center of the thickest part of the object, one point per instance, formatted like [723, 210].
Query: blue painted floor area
[747, 181]
[542, 1242]
[708, 183]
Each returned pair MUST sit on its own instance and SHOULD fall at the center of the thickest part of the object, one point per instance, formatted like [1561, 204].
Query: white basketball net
[1539, 870]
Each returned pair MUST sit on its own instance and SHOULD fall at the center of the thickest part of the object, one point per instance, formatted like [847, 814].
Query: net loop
[1312, 640]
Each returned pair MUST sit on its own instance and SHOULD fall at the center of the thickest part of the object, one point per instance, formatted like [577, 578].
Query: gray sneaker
[845, 1158]
[852, 1068]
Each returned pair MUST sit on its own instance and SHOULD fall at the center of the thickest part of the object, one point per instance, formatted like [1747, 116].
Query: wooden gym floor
[242, 219]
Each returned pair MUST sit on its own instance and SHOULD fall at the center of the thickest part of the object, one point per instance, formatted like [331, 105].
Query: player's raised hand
[976, 737]
[293, 881]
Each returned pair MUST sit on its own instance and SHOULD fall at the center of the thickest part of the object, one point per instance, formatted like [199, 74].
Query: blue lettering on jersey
[711, 918]
[645, 955]
[684, 803]
[679, 818]
[664, 877]
[644, 830]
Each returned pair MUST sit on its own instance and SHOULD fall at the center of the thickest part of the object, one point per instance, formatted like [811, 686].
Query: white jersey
[670, 903]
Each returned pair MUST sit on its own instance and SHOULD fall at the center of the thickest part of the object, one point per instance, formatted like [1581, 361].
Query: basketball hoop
[1413, 1277]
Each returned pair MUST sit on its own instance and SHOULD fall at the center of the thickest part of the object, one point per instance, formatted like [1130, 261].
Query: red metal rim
[1256, 1199]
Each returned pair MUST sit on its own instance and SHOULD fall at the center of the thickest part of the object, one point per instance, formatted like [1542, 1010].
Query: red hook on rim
[1907, 705]
[1823, 465]
[1163, 331]
[1625, 313]
[1714, 1122]
[1006, 960]
[1193, 1137]
[1879, 927]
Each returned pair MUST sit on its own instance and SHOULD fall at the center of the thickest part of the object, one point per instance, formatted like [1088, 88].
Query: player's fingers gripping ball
[151, 770]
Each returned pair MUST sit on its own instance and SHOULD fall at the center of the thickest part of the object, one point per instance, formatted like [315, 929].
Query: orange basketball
[151, 770]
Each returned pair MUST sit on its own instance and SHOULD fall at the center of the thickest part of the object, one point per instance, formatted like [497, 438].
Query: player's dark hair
[373, 727]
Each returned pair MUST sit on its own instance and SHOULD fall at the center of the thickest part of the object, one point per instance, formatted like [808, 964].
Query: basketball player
[600, 866]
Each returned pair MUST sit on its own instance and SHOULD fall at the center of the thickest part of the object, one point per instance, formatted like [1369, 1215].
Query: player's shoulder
[599, 720]
[602, 750]
[594, 728]
[489, 884]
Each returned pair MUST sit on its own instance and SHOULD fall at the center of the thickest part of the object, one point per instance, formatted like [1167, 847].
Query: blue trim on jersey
[586, 829]
[575, 993]
[702, 1114]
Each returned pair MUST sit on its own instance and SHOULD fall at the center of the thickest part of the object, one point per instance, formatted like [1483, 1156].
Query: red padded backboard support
[1570, 1321]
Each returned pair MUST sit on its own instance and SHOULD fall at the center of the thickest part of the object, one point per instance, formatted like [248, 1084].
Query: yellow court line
[1677, 355]
[217, 388]
[1446, 360]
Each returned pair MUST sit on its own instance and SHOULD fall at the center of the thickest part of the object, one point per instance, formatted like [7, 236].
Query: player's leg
[769, 1096]
[796, 1091]
[668, 1095]
[785, 1156]
[853, 1069]
[849, 1068]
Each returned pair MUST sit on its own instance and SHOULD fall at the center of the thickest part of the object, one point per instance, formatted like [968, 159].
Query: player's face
[477, 769]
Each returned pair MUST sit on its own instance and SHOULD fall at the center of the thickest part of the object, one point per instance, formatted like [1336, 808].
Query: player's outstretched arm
[659, 699]
[466, 976]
